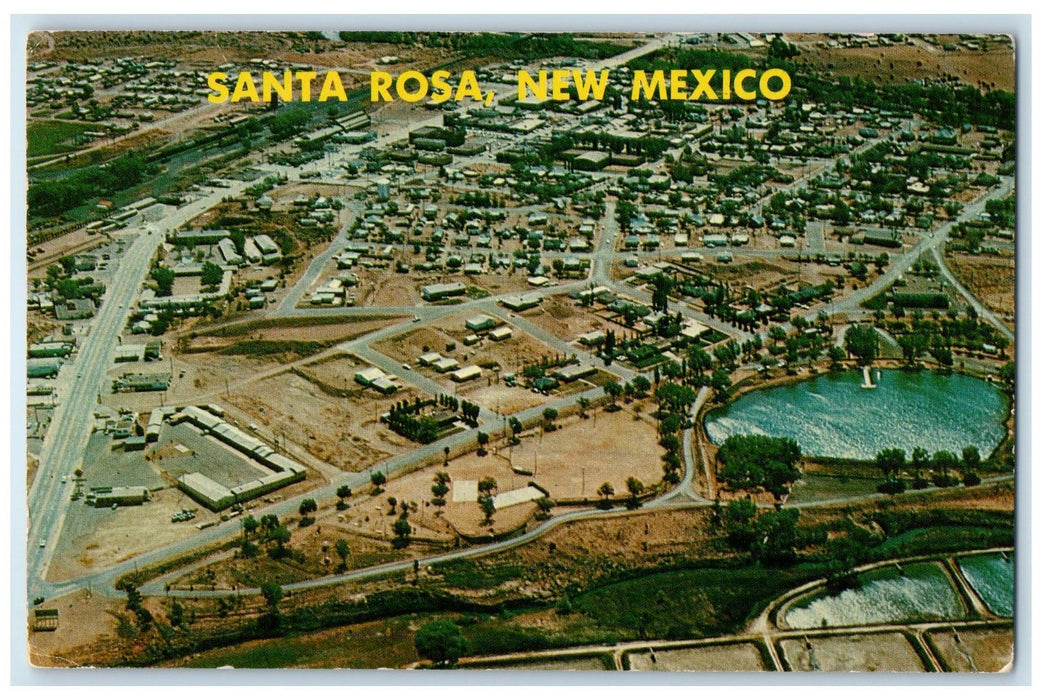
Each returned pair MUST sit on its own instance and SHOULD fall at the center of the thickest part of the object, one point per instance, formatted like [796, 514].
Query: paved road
[352, 209]
[902, 262]
[982, 310]
[63, 447]
[65, 443]
[600, 269]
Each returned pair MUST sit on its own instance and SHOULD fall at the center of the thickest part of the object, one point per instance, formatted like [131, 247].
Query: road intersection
[73, 422]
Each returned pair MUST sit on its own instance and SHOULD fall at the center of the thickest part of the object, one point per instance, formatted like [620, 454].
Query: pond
[991, 575]
[832, 416]
[923, 592]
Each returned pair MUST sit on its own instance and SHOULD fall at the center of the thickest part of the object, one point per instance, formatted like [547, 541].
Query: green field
[48, 137]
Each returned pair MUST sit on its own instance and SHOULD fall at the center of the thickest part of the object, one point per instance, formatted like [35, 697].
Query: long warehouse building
[216, 496]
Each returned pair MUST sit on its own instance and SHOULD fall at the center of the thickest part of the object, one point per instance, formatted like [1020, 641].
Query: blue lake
[832, 416]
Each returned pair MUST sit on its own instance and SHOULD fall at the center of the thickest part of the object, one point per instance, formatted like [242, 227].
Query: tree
[549, 415]
[211, 275]
[971, 458]
[343, 549]
[482, 441]
[614, 390]
[675, 397]
[890, 461]
[913, 345]
[378, 479]
[268, 524]
[343, 491]
[841, 213]
[177, 614]
[487, 485]
[442, 642]
[1008, 373]
[583, 403]
[720, 381]
[402, 530]
[272, 593]
[836, 355]
[641, 385]
[164, 279]
[280, 536]
[750, 461]
[699, 360]
[393, 502]
[608, 349]
[670, 442]
[777, 475]
[250, 525]
[737, 519]
[488, 507]
[920, 461]
[662, 286]
[944, 462]
[862, 341]
[515, 428]
[775, 537]
[635, 488]
[308, 505]
[605, 491]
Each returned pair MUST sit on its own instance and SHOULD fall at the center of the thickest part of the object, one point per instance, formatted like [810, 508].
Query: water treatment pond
[832, 416]
[991, 575]
[924, 592]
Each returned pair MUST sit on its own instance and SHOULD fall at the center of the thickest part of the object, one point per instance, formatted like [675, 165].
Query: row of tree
[893, 463]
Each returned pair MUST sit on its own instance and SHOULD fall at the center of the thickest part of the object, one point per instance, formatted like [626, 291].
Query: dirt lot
[343, 431]
[376, 287]
[566, 319]
[763, 274]
[580, 453]
[81, 619]
[367, 522]
[106, 537]
[987, 650]
[209, 372]
[318, 330]
[212, 48]
[899, 64]
[49, 252]
[39, 327]
[385, 287]
[284, 195]
[724, 657]
[889, 652]
[507, 400]
[990, 278]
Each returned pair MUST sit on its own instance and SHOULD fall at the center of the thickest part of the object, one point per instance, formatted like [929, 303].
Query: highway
[73, 421]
